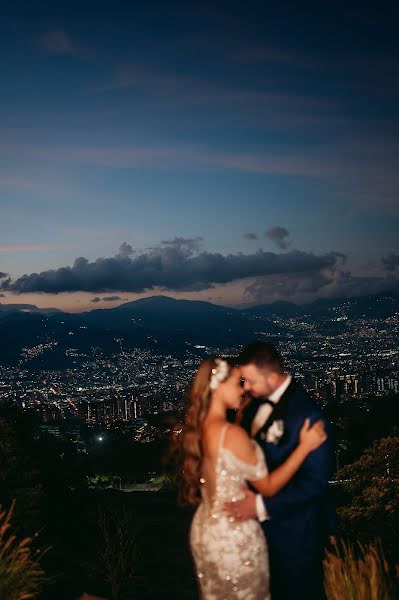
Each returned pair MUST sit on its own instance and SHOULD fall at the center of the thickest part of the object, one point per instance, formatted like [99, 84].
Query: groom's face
[257, 382]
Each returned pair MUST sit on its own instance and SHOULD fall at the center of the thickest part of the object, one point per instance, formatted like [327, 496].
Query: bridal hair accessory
[219, 373]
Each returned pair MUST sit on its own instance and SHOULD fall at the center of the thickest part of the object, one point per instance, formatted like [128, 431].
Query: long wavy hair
[191, 447]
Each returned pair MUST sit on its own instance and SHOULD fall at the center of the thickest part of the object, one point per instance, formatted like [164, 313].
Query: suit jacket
[301, 516]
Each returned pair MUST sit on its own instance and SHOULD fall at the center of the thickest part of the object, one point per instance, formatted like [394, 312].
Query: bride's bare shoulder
[238, 441]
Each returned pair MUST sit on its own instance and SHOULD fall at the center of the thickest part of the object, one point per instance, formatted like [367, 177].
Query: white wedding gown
[230, 557]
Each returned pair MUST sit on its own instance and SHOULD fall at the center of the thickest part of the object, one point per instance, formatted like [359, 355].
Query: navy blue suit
[300, 515]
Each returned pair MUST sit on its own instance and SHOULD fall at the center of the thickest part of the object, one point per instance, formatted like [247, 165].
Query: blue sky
[180, 129]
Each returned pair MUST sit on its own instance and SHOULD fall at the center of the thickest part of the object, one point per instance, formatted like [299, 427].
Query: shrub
[369, 507]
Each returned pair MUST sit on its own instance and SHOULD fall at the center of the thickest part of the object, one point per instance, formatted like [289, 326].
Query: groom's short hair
[263, 355]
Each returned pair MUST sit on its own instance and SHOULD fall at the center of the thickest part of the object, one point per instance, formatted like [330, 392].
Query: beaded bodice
[231, 557]
[224, 479]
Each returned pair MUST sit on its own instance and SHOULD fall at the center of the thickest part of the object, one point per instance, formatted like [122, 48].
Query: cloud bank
[327, 283]
[176, 265]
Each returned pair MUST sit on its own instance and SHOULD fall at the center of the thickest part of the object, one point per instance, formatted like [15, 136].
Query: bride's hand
[311, 437]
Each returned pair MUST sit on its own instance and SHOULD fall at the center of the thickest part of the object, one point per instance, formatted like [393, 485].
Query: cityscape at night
[342, 357]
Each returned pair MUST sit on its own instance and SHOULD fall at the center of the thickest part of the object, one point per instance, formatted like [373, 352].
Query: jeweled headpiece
[219, 373]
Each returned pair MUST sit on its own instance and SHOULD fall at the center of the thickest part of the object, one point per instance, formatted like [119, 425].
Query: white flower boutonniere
[275, 432]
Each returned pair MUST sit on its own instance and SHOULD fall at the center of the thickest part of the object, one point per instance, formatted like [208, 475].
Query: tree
[118, 548]
[370, 507]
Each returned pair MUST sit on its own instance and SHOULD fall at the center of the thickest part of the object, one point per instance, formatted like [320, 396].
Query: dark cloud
[250, 236]
[391, 262]
[292, 286]
[104, 299]
[347, 285]
[125, 250]
[279, 236]
[186, 246]
[175, 265]
[327, 283]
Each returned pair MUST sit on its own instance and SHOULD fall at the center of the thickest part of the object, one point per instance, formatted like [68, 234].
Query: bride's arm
[310, 439]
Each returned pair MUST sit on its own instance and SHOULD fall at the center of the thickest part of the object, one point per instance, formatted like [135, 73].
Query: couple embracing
[261, 485]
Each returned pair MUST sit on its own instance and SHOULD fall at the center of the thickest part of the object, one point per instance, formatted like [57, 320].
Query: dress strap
[223, 435]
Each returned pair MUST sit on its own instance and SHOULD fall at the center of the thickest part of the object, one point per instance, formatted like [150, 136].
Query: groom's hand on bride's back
[244, 509]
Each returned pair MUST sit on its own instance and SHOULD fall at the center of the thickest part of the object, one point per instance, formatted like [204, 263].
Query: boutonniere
[274, 433]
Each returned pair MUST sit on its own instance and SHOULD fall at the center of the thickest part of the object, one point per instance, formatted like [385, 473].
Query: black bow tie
[251, 409]
[261, 401]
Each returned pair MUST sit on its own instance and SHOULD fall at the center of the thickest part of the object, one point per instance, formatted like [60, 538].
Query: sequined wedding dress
[231, 558]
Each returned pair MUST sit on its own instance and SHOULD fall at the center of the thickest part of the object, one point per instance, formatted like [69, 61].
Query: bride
[230, 556]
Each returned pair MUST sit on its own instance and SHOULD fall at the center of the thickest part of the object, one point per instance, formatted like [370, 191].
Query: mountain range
[167, 324]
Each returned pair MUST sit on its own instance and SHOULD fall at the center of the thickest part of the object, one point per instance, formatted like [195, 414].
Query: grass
[357, 573]
[21, 576]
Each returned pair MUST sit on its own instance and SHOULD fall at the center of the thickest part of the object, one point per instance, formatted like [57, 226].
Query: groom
[297, 521]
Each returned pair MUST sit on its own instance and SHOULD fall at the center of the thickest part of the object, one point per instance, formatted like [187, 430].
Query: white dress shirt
[264, 412]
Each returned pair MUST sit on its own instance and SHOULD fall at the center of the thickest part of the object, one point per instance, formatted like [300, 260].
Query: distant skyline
[228, 152]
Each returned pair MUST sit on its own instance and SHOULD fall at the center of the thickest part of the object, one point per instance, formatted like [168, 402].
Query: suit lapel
[279, 410]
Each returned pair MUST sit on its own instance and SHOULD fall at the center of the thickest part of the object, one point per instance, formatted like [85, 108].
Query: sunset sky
[236, 152]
